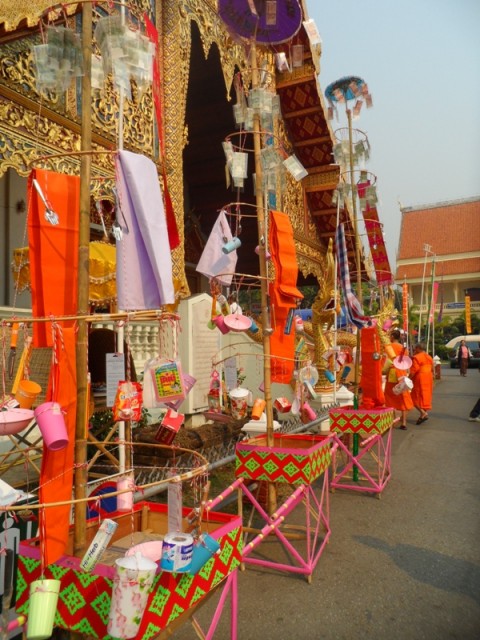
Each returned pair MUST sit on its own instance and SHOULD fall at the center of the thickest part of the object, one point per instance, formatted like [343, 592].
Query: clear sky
[421, 61]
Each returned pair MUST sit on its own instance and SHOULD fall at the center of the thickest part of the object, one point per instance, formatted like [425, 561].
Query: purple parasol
[267, 21]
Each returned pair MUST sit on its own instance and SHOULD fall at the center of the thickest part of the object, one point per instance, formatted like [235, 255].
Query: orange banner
[468, 316]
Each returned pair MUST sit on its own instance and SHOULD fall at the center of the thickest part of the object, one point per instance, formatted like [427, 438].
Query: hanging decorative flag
[353, 308]
[374, 231]
[468, 317]
[440, 313]
[434, 302]
[405, 306]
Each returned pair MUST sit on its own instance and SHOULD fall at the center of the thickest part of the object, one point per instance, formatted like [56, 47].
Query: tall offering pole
[358, 252]
[268, 23]
[83, 282]
[345, 91]
[257, 145]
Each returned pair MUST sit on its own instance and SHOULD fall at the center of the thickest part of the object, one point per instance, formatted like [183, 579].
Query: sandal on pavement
[420, 420]
[403, 427]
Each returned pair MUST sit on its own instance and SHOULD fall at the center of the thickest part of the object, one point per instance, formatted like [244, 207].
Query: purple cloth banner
[144, 265]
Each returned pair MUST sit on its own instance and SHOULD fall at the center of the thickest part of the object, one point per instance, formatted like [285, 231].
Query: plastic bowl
[14, 420]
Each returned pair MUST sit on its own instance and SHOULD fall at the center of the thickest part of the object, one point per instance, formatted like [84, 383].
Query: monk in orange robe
[403, 401]
[421, 374]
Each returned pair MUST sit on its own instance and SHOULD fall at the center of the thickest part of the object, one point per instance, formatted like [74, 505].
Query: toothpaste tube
[98, 544]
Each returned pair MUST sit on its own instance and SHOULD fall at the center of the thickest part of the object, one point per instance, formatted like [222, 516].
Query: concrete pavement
[403, 567]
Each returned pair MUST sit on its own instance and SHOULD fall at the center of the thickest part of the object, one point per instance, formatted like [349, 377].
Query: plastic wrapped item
[297, 55]
[295, 168]
[312, 32]
[126, 54]
[98, 544]
[59, 60]
[163, 382]
[128, 401]
[240, 165]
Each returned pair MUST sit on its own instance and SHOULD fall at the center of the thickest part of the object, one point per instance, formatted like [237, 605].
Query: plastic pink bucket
[50, 420]
[220, 323]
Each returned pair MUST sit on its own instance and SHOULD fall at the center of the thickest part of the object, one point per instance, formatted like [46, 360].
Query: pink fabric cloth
[213, 262]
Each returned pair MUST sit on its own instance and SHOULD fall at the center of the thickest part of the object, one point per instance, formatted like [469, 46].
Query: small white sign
[115, 364]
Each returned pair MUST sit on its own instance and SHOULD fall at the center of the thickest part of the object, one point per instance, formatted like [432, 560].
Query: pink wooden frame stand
[298, 460]
[369, 469]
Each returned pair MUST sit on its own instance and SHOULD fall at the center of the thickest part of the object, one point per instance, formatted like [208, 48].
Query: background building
[443, 237]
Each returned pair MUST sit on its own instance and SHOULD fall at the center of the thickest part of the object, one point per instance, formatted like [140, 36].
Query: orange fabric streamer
[53, 249]
[56, 478]
[283, 295]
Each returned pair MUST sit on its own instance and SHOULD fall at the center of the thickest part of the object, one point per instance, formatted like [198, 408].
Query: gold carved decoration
[177, 17]
[13, 12]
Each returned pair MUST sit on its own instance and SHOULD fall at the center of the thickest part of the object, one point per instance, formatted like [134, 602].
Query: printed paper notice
[115, 373]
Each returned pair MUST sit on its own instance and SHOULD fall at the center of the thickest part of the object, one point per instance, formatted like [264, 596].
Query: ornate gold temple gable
[212, 31]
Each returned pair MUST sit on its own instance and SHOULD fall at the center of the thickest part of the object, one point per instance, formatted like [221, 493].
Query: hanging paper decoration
[127, 54]
[59, 60]
[268, 22]
[361, 153]
[353, 308]
[295, 168]
[468, 317]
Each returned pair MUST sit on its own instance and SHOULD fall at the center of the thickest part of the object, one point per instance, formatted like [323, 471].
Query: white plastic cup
[239, 402]
[133, 579]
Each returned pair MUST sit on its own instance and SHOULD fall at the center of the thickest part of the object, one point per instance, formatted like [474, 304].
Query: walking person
[463, 358]
[421, 374]
[475, 412]
[401, 402]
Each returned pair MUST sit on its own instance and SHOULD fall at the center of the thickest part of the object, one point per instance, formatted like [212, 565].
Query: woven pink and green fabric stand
[85, 598]
[368, 470]
[301, 524]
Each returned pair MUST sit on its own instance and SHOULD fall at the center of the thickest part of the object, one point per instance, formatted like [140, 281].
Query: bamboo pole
[83, 282]
[261, 228]
[356, 440]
